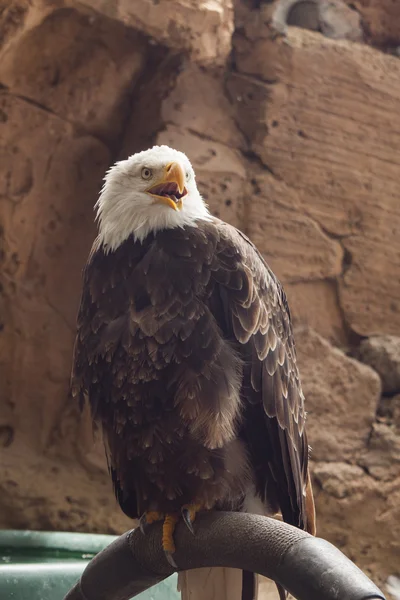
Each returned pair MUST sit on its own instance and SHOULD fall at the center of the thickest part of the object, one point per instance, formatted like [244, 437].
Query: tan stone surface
[201, 27]
[87, 83]
[14, 19]
[389, 409]
[315, 304]
[395, 410]
[382, 459]
[342, 397]
[39, 492]
[47, 213]
[381, 20]
[294, 244]
[198, 102]
[329, 130]
[382, 353]
[359, 515]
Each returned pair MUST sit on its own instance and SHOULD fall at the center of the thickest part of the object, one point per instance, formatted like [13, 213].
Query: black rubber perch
[309, 568]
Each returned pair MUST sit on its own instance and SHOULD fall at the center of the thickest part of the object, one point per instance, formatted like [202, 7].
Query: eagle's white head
[149, 191]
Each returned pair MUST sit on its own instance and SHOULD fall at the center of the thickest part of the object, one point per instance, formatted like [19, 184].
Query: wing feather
[258, 318]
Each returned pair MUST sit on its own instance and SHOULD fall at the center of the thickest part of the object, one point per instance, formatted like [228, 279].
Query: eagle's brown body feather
[185, 352]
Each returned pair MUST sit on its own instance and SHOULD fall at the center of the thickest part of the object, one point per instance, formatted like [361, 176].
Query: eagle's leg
[189, 512]
[148, 518]
[168, 543]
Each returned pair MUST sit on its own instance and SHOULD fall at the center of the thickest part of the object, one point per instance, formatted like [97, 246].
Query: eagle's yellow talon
[189, 512]
[192, 509]
[168, 543]
[148, 518]
[153, 515]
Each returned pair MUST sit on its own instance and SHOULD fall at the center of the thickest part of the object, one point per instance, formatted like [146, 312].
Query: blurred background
[290, 113]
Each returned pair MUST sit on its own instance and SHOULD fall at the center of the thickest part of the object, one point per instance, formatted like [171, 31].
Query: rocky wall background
[290, 114]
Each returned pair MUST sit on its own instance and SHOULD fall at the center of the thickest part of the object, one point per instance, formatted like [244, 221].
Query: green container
[41, 565]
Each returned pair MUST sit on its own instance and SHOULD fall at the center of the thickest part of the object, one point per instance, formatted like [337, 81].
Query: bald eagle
[185, 353]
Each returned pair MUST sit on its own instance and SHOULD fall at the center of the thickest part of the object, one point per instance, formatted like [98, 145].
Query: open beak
[171, 189]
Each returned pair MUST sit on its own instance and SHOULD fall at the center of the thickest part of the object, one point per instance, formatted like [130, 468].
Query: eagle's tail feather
[217, 583]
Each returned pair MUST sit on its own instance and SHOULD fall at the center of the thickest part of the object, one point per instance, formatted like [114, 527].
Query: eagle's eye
[146, 173]
[188, 175]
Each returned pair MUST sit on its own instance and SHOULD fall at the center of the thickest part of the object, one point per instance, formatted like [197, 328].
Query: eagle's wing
[102, 325]
[101, 320]
[251, 307]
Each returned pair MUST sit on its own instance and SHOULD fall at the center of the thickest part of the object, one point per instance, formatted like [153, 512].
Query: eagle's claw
[170, 558]
[143, 523]
[188, 512]
[187, 517]
[148, 518]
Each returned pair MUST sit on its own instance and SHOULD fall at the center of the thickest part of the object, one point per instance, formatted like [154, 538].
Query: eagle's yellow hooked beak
[171, 189]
